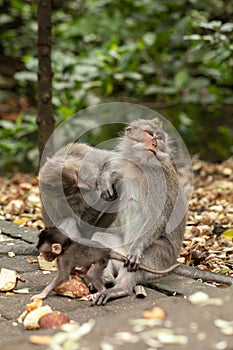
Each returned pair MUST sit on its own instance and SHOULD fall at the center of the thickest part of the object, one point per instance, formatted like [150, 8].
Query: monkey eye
[150, 132]
[159, 137]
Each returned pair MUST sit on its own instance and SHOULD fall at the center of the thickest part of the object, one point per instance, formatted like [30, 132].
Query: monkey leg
[160, 255]
[124, 286]
[109, 240]
[109, 273]
[94, 274]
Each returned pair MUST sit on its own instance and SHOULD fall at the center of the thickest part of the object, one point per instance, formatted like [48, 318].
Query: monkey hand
[133, 259]
[107, 190]
[109, 194]
[106, 184]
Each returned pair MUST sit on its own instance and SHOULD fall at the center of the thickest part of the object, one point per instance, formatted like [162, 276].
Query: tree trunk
[45, 118]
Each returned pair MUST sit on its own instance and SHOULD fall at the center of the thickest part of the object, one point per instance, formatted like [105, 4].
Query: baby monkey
[90, 257]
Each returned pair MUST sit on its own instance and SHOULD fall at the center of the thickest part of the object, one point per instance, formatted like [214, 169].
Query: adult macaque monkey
[91, 258]
[153, 222]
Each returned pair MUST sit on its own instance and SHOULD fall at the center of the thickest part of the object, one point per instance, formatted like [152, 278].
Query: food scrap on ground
[155, 313]
[9, 280]
[53, 319]
[75, 287]
[38, 316]
[31, 320]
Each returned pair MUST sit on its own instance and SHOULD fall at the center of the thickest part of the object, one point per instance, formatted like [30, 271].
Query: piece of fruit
[75, 287]
[31, 321]
[53, 319]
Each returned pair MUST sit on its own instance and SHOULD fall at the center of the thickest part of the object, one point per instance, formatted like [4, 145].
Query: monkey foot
[92, 297]
[112, 293]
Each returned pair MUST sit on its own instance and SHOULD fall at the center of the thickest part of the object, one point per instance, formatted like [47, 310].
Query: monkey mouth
[151, 146]
[152, 149]
[50, 259]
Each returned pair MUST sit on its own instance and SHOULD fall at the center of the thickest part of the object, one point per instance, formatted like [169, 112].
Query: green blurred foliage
[173, 56]
[17, 144]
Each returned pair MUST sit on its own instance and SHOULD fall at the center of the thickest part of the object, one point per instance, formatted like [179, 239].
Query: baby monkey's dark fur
[91, 257]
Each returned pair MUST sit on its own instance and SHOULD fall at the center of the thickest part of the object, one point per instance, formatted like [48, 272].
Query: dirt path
[116, 324]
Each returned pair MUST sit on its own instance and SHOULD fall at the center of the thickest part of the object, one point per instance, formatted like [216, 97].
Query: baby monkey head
[52, 243]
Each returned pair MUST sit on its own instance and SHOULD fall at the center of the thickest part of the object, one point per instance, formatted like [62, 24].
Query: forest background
[172, 56]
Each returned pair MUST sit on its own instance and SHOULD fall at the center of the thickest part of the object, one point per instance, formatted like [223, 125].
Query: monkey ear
[128, 129]
[56, 248]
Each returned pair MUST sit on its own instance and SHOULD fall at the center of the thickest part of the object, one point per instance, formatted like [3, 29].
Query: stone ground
[183, 318]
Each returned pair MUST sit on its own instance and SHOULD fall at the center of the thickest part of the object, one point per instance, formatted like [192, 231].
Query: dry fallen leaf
[228, 234]
[21, 220]
[16, 206]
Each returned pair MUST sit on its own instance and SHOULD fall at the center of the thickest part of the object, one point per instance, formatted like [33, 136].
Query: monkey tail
[205, 276]
[158, 272]
[117, 256]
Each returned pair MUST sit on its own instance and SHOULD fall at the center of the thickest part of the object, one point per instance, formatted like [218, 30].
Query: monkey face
[48, 256]
[153, 139]
[148, 137]
[46, 250]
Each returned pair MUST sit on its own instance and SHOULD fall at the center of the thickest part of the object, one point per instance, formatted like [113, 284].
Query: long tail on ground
[205, 276]
[19, 249]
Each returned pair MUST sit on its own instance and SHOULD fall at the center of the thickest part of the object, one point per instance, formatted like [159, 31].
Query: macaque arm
[106, 182]
[62, 275]
[55, 282]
